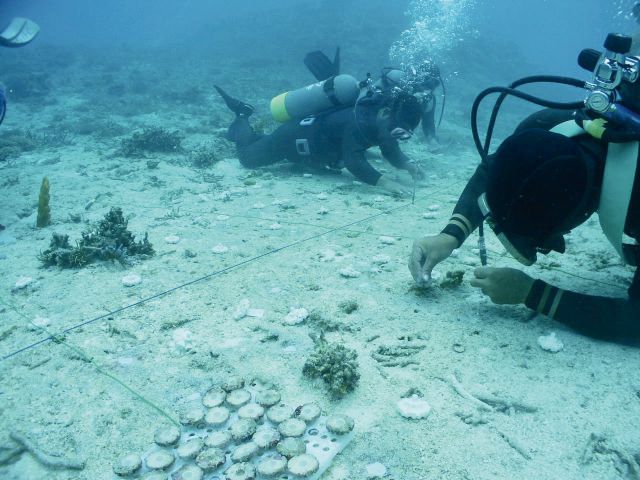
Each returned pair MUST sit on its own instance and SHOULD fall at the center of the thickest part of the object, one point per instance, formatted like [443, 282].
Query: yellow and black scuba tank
[334, 92]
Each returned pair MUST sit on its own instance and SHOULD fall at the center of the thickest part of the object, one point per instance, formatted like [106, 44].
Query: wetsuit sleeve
[615, 319]
[390, 150]
[354, 160]
[467, 215]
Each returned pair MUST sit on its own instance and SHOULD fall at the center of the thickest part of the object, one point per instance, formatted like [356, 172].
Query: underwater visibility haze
[288, 239]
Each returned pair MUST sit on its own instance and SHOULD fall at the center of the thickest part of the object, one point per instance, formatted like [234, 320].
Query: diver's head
[404, 116]
[539, 187]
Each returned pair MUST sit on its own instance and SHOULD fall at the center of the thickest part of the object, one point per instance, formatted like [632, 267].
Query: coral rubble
[336, 364]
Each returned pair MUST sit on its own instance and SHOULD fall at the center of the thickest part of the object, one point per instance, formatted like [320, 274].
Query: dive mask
[523, 249]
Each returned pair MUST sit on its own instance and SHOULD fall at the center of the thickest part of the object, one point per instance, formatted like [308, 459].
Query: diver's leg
[269, 149]
[241, 132]
[275, 147]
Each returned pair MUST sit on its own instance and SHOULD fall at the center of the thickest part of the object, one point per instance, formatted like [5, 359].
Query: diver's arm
[466, 215]
[390, 150]
[354, 159]
[599, 317]
[357, 164]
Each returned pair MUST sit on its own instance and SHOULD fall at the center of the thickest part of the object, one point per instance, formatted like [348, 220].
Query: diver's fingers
[429, 264]
[418, 271]
[482, 283]
[483, 272]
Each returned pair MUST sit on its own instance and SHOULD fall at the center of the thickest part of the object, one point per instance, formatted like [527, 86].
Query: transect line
[98, 367]
[199, 279]
[240, 264]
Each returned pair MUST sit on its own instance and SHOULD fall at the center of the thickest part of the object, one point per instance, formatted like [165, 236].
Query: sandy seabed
[572, 415]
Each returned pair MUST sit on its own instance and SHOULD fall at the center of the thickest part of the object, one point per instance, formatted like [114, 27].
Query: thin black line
[200, 279]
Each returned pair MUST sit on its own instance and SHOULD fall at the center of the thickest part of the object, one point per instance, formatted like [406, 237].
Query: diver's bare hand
[392, 187]
[427, 252]
[504, 286]
[416, 172]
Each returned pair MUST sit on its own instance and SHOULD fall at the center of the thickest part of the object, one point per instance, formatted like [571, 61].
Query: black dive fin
[235, 105]
[320, 65]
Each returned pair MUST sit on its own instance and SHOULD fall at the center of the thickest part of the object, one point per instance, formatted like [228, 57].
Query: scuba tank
[338, 91]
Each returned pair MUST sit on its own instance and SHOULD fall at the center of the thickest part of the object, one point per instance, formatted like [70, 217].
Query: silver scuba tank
[341, 90]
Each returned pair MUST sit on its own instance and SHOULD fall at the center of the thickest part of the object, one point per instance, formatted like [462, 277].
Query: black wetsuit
[602, 317]
[337, 139]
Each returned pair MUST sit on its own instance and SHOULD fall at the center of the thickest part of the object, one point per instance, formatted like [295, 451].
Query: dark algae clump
[109, 239]
[151, 140]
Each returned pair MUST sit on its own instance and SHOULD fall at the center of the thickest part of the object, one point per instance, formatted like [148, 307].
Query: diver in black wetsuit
[536, 187]
[337, 138]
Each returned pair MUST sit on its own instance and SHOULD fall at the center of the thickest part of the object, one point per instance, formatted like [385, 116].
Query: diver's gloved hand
[416, 172]
[504, 286]
[393, 188]
[427, 252]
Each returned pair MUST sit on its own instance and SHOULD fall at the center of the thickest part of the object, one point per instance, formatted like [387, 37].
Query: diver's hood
[540, 186]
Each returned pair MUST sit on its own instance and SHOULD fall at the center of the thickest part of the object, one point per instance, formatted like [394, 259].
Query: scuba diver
[556, 170]
[18, 33]
[326, 125]
[421, 81]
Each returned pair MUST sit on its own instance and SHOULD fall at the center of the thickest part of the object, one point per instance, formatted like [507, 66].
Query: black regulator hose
[511, 90]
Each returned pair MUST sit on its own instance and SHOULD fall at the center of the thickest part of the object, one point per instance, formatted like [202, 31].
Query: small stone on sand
[296, 316]
[22, 282]
[131, 280]
[220, 249]
[414, 407]
[550, 343]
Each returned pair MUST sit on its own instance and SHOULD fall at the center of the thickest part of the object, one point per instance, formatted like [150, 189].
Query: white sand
[66, 406]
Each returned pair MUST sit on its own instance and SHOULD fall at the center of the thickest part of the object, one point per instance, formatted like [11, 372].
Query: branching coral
[109, 239]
